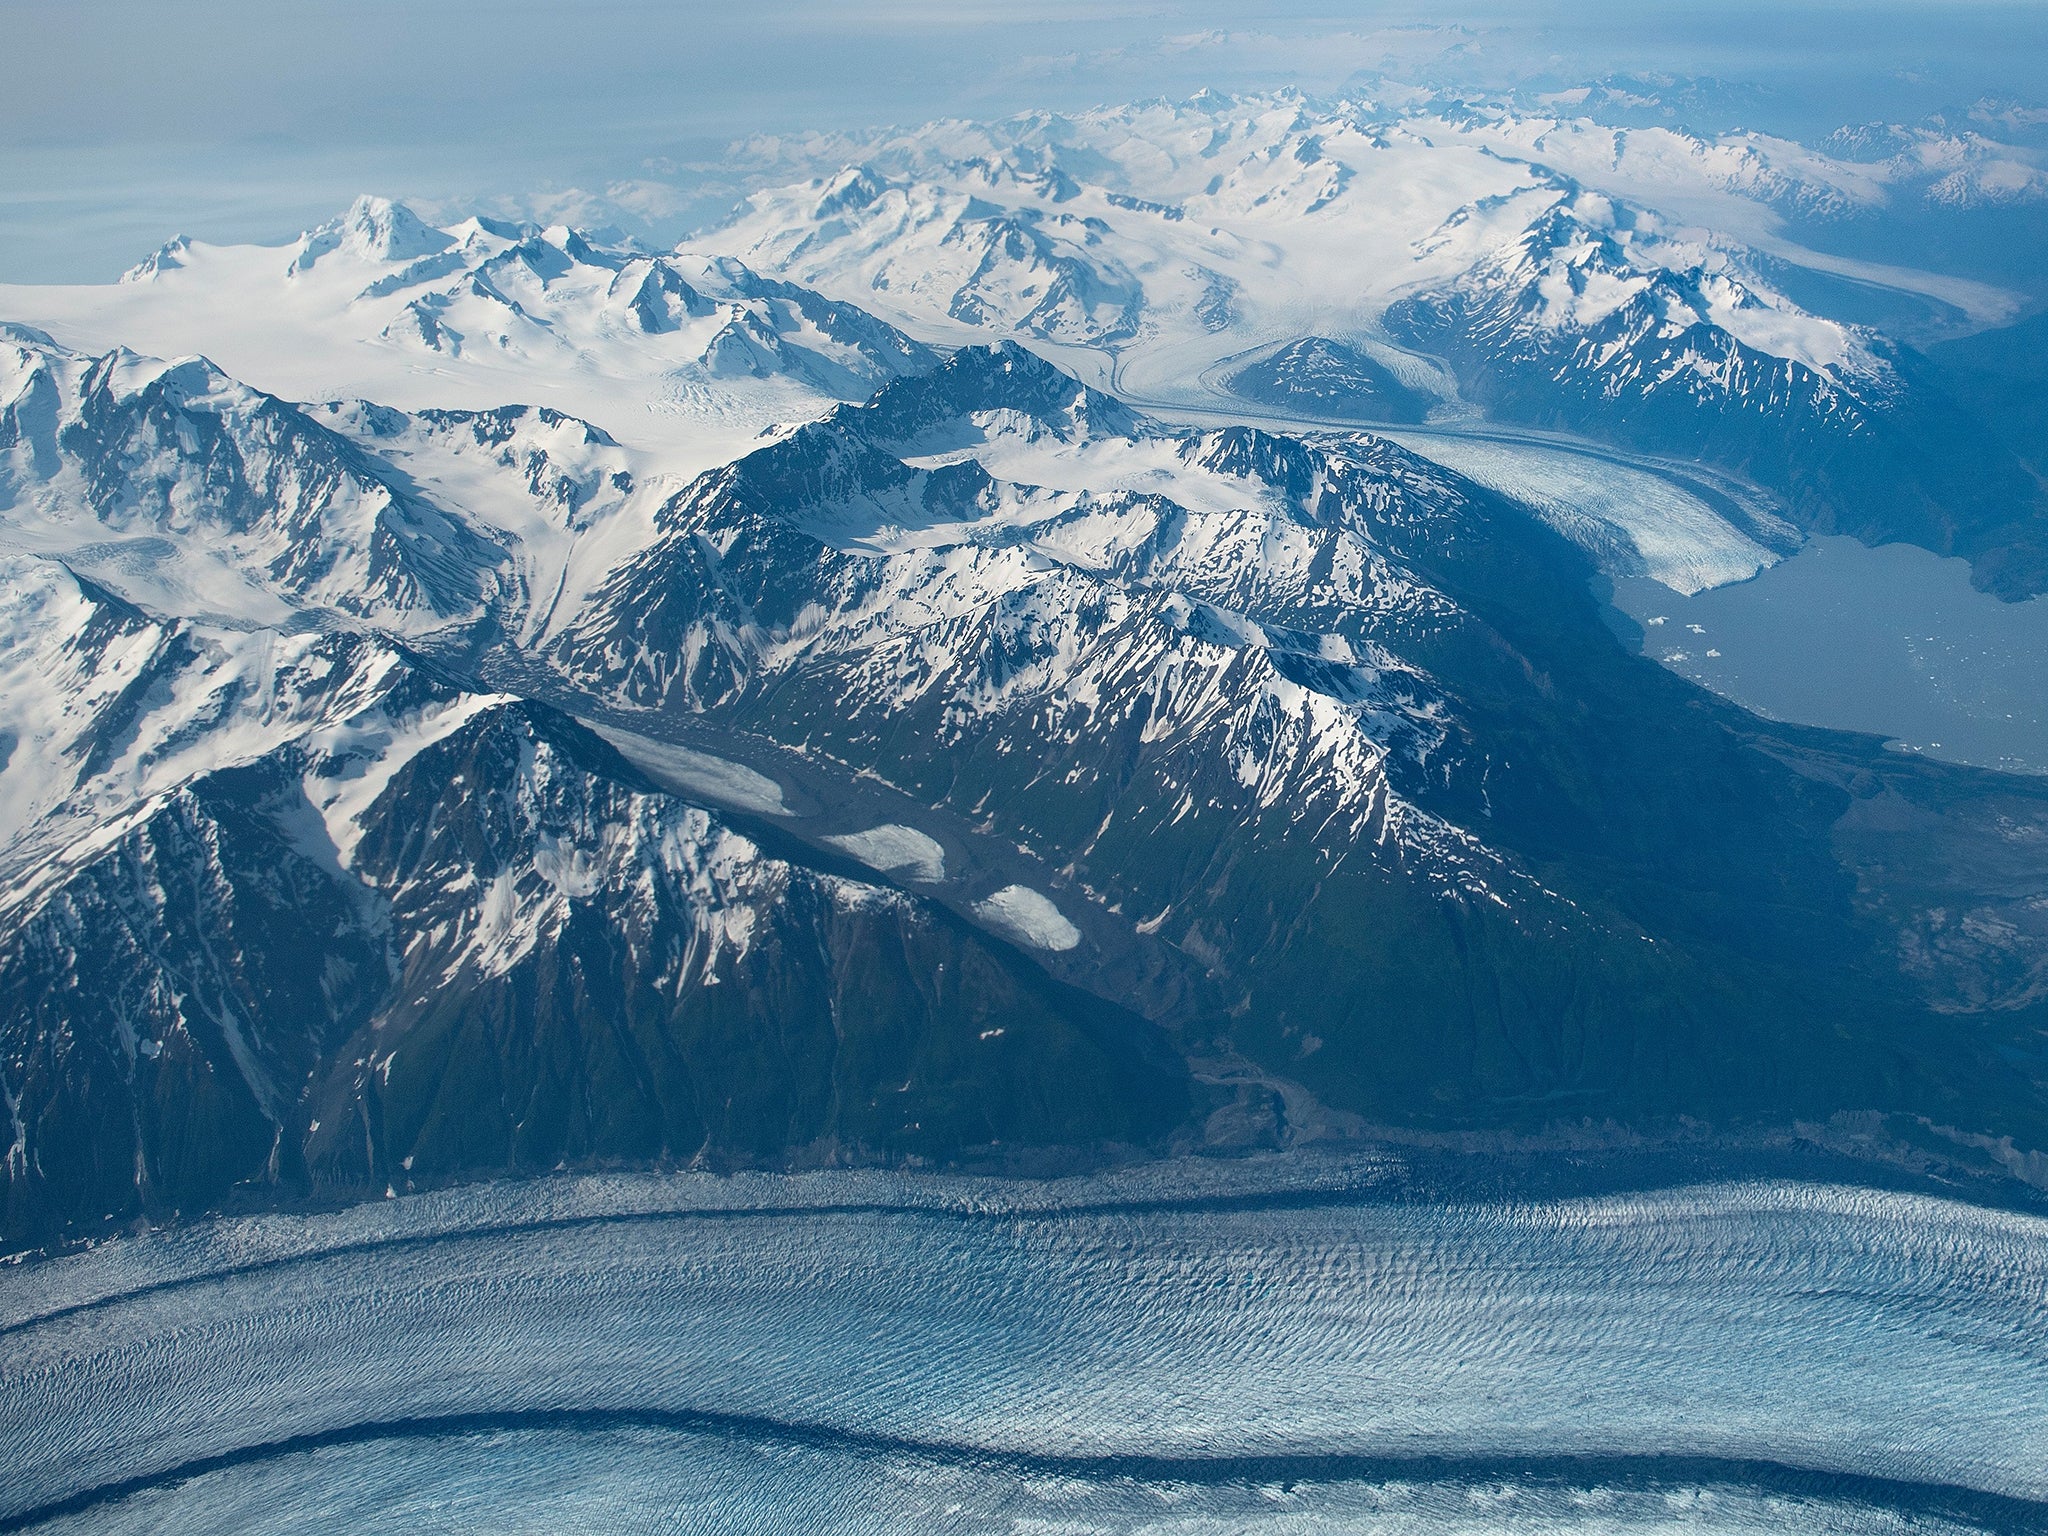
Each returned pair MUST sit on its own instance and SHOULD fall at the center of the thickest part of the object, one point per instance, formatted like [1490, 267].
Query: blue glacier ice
[866, 1352]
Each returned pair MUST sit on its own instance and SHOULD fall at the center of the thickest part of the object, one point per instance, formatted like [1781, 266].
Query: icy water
[860, 1353]
[1893, 641]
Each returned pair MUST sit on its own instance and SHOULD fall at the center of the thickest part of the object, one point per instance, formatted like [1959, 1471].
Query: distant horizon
[203, 125]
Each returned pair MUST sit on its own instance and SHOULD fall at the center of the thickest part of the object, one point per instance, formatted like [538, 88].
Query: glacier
[1632, 519]
[1283, 1345]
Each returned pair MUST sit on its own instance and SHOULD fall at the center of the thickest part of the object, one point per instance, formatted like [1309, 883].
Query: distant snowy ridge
[1144, 228]
[1612, 283]
[682, 359]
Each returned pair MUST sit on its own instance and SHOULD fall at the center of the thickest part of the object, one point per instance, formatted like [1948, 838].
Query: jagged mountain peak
[21, 335]
[265, 507]
[479, 227]
[853, 188]
[184, 383]
[1322, 376]
[973, 381]
[168, 257]
[580, 320]
[1241, 219]
[1591, 266]
[373, 229]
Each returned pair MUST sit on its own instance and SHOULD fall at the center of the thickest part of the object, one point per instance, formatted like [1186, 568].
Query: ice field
[868, 1353]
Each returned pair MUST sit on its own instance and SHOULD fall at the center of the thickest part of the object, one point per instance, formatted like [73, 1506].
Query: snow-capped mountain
[489, 698]
[1852, 174]
[1235, 215]
[1942, 166]
[328, 917]
[1587, 273]
[537, 295]
[1586, 325]
[682, 359]
[1032, 267]
[993, 543]
[1168, 236]
[213, 492]
[1621, 138]
[1196, 255]
[1317, 376]
[110, 708]
[191, 493]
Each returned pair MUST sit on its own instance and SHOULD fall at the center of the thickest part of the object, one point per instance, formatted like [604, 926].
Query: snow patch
[1022, 914]
[699, 773]
[897, 850]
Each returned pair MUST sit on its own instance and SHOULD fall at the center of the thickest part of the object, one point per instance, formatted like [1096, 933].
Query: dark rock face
[627, 977]
[536, 958]
[1316, 376]
[166, 1003]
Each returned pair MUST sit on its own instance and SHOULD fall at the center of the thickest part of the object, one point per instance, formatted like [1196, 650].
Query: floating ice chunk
[895, 850]
[1020, 913]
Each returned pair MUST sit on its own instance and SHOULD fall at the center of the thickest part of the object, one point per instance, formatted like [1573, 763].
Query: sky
[124, 123]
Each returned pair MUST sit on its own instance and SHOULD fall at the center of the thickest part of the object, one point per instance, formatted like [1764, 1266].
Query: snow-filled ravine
[863, 1352]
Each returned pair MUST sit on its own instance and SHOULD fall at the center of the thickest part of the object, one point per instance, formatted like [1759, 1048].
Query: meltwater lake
[868, 1353]
[1893, 641]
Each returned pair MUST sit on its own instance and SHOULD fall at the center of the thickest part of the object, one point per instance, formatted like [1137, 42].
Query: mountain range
[942, 670]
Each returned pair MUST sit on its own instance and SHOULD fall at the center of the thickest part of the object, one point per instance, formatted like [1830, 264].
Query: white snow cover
[190, 493]
[896, 850]
[109, 710]
[1029, 917]
[1161, 240]
[1602, 264]
[672, 357]
[564, 498]
[1201, 229]
[580, 838]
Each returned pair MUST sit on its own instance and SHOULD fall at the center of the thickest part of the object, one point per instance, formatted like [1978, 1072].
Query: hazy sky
[123, 122]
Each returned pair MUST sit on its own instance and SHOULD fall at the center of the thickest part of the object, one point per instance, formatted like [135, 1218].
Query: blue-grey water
[860, 1353]
[1893, 641]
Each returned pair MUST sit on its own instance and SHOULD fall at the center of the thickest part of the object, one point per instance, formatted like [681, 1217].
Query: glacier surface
[884, 1352]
